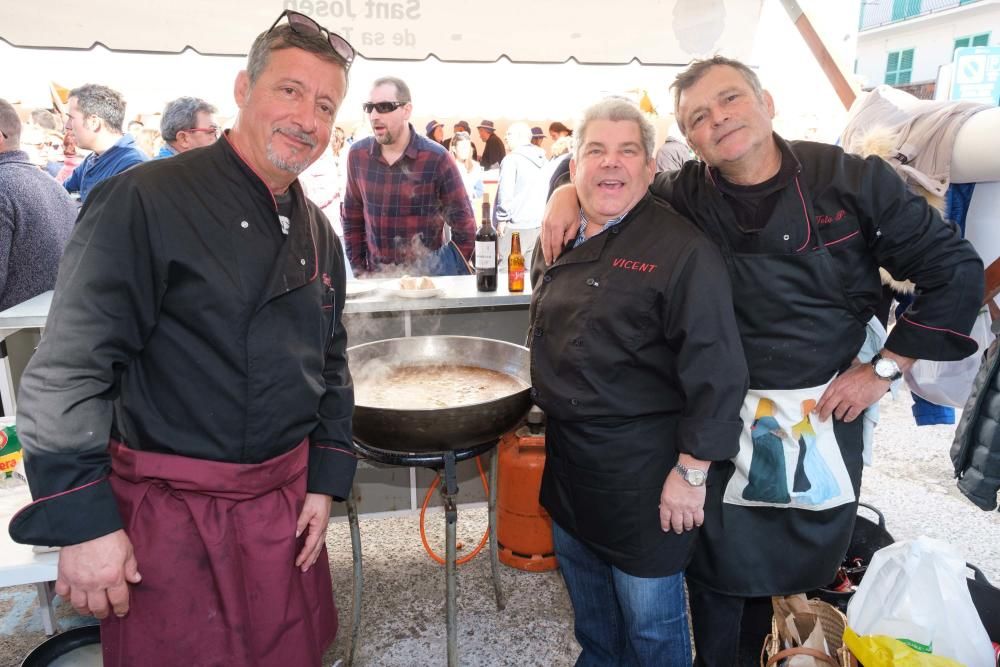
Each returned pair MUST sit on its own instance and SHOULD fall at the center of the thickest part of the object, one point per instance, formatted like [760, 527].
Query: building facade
[903, 43]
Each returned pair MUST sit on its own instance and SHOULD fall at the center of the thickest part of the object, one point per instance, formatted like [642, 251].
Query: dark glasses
[304, 25]
[382, 107]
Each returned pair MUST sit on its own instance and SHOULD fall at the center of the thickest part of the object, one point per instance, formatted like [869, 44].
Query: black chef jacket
[867, 218]
[182, 323]
[635, 357]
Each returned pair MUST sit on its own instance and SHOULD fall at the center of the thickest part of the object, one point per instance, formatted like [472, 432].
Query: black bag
[986, 598]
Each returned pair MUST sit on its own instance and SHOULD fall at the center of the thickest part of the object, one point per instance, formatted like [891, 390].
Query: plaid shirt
[391, 210]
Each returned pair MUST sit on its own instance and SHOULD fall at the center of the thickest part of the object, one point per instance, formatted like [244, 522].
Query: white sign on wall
[976, 75]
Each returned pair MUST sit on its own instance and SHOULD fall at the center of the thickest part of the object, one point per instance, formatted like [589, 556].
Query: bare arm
[560, 222]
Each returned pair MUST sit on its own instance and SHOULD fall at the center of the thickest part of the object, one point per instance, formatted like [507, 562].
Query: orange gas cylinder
[524, 529]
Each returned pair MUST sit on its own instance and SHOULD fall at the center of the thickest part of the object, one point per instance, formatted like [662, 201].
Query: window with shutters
[898, 67]
[904, 9]
[972, 40]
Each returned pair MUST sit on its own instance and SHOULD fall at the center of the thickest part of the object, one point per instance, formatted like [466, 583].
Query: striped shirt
[581, 233]
[394, 213]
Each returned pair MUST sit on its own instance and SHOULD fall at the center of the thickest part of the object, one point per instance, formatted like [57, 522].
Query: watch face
[885, 368]
[695, 477]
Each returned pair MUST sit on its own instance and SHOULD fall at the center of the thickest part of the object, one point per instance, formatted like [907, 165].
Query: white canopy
[541, 31]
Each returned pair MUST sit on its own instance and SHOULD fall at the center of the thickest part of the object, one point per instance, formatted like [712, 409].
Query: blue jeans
[621, 619]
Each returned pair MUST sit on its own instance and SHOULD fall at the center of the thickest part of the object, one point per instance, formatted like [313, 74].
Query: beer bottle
[515, 265]
[486, 252]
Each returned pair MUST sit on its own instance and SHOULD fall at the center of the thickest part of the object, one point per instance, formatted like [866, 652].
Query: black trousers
[728, 630]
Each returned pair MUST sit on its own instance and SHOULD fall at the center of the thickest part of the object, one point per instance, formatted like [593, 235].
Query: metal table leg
[448, 492]
[46, 593]
[492, 513]
[358, 579]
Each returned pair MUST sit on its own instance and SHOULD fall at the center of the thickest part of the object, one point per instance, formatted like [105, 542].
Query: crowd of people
[90, 141]
[189, 407]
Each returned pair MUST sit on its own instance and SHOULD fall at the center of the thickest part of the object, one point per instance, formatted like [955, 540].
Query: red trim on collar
[805, 213]
[225, 135]
[312, 237]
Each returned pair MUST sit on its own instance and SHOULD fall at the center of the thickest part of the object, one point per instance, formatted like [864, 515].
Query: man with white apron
[803, 229]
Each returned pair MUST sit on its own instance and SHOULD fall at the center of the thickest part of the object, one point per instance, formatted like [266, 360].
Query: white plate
[393, 288]
[360, 287]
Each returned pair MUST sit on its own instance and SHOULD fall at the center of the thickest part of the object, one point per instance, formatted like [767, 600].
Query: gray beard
[386, 138]
[292, 167]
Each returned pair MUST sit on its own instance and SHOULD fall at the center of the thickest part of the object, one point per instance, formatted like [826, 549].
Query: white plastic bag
[950, 382]
[917, 591]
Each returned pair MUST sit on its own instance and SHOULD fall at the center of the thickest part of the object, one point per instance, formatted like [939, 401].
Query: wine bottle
[515, 265]
[486, 252]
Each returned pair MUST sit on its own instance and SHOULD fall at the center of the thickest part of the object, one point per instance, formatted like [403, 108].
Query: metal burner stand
[445, 460]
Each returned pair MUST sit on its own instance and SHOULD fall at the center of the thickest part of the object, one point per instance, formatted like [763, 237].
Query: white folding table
[20, 564]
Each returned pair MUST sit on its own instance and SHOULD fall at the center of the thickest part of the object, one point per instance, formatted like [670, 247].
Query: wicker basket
[831, 620]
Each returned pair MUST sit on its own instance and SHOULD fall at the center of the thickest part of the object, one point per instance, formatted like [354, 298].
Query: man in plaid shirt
[402, 189]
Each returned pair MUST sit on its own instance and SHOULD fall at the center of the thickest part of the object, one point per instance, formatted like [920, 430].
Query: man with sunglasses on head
[197, 322]
[186, 123]
[402, 189]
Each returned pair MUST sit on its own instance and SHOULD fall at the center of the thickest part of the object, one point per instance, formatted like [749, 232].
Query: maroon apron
[216, 547]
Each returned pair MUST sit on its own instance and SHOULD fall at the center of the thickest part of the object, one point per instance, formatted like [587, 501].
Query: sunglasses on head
[382, 107]
[304, 25]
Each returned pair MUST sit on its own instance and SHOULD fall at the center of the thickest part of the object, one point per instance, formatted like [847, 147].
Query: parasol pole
[826, 62]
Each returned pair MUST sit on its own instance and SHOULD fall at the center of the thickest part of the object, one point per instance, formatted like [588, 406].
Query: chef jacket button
[534, 393]
[574, 402]
[547, 278]
[786, 237]
[538, 332]
[302, 262]
[590, 281]
[244, 224]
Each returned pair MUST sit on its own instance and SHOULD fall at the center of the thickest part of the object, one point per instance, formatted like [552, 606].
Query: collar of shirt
[166, 150]
[126, 141]
[412, 147]
[15, 156]
[581, 237]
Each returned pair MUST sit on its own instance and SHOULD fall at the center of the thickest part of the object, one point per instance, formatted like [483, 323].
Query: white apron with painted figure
[788, 457]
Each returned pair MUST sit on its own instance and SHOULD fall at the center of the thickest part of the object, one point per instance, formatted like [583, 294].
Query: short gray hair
[283, 37]
[402, 90]
[615, 109]
[182, 114]
[103, 102]
[699, 68]
[10, 123]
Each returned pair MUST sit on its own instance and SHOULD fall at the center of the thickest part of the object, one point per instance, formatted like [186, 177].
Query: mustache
[304, 137]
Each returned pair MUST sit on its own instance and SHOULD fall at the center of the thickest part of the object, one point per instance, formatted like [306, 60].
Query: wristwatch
[886, 368]
[692, 476]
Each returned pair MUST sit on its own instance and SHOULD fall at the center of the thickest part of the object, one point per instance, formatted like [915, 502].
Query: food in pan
[416, 387]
